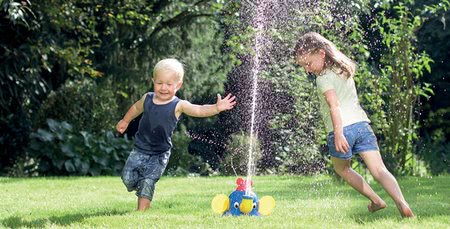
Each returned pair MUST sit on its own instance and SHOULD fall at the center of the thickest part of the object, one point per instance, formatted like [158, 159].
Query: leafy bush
[404, 67]
[181, 161]
[435, 153]
[14, 136]
[60, 150]
[83, 104]
[237, 154]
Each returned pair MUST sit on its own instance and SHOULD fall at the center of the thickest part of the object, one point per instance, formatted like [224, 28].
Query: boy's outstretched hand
[226, 103]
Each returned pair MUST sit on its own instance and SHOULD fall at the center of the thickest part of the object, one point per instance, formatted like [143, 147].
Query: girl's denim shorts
[360, 138]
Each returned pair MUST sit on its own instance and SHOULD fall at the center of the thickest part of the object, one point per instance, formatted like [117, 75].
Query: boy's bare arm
[208, 110]
[135, 110]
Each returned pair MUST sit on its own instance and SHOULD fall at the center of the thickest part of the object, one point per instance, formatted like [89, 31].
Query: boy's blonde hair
[170, 64]
[311, 42]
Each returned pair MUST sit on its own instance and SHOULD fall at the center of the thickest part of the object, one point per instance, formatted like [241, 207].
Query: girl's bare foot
[373, 207]
[405, 210]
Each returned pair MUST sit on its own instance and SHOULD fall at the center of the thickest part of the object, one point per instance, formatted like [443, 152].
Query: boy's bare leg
[379, 171]
[343, 168]
[143, 204]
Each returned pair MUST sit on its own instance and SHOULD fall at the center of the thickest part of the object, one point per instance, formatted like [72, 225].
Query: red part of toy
[242, 184]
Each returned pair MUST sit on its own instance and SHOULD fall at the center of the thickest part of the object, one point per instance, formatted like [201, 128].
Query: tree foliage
[115, 43]
[404, 67]
[433, 37]
[85, 62]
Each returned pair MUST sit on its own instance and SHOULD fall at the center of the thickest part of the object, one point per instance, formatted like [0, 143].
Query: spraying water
[256, 66]
[272, 21]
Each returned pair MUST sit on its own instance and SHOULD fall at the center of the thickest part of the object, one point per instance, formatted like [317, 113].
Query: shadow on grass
[9, 180]
[66, 220]
[428, 198]
[393, 214]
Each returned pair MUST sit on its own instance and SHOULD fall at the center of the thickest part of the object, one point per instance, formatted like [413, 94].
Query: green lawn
[301, 202]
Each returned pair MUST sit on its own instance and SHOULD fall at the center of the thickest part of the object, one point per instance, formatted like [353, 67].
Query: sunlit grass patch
[301, 202]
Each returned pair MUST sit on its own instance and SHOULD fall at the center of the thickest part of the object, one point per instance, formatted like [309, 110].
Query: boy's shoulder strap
[149, 95]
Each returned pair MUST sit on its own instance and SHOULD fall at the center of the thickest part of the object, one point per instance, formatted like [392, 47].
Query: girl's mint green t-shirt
[351, 110]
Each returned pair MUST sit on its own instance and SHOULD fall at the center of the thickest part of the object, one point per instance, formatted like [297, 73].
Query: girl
[347, 124]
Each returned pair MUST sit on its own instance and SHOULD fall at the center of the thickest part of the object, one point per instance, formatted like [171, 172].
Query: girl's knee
[379, 172]
[341, 170]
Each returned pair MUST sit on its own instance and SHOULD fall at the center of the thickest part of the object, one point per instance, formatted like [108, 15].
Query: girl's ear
[322, 53]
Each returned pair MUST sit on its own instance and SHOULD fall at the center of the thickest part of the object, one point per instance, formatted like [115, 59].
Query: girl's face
[312, 62]
[166, 84]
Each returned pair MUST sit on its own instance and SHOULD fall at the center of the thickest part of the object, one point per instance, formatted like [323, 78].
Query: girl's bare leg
[343, 168]
[379, 171]
[143, 204]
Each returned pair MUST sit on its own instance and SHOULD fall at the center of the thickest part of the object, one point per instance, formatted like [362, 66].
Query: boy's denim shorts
[142, 171]
[360, 138]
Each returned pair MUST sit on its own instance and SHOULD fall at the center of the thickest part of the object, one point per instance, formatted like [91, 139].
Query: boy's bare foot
[143, 204]
[373, 207]
[405, 210]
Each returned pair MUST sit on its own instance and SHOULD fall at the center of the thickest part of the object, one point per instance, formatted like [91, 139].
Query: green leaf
[44, 135]
[86, 136]
[67, 149]
[69, 166]
[94, 171]
[84, 167]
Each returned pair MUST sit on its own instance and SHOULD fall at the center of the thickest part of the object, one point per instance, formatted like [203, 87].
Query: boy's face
[166, 83]
[312, 62]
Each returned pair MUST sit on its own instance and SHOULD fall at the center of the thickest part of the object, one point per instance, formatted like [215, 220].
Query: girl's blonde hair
[312, 42]
[170, 64]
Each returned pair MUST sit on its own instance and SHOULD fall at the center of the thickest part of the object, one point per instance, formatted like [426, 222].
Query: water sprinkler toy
[242, 202]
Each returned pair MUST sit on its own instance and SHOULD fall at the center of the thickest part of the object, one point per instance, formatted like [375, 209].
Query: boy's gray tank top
[154, 135]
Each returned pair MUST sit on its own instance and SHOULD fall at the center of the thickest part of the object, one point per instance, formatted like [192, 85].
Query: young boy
[162, 110]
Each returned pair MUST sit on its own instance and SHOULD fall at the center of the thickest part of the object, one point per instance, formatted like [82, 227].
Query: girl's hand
[341, 143]
[122, 126]
[226, 103]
